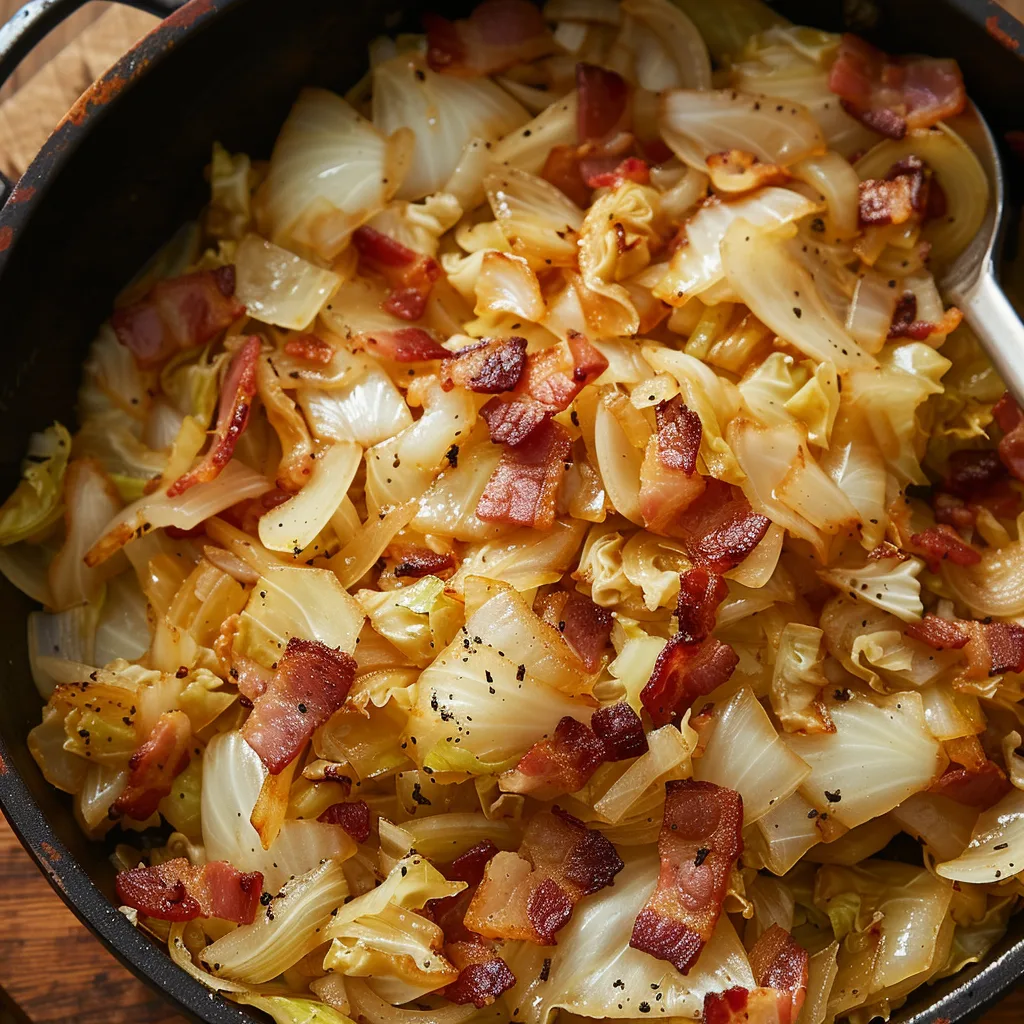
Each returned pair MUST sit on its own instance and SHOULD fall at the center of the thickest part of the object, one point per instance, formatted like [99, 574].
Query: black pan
[125, 169]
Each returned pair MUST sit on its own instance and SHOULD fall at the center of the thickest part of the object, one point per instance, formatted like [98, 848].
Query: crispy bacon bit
[548, 385]
[736, 170]
[942, 543]
[1011, 421]
[903, 193]
[1006, 646]
[669, 481]
[449, 911]
[972, 472]
[621, 731]
[179, 313]
[603, 107]
[236, 395]
[679, 435]
[410, 274]
[604, 172]
[310, 684]
[700, 594]
[523, 489]
[177, 891]
[779, 964]
[354, 818]
[530, 895]
[562, 763]
[155, 765]
[980, 786]
[720, 528]
[684, 672]
[405, 345]
[586, 627]
[939, 634]
[701, 837]
[890, 94]
[498, 34]
[415, 563]
[488, 368]
[483, 975]
[906, 325]
[309, 348]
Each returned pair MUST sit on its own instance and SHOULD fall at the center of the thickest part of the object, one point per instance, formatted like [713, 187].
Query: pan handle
[35, 20]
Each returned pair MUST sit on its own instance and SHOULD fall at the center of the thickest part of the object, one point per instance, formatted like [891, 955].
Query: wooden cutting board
[49, 963]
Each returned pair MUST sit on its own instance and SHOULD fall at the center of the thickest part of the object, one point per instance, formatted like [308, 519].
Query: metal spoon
[970, 282]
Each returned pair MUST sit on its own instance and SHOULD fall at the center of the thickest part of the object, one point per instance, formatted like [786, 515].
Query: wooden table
[49, 963]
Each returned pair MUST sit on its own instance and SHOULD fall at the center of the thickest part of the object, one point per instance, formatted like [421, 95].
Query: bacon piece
[353, 817]
[700, 594]
[410, 274]
[586, 627]
[523, 489]
[177, 891]
[1006, 646]
[178, 313]
[498, 34]
[683, 672]
[490, 367]
[903, 193]
[1011, 421]
[621, 731]
[890, 94]
[979, 787]
[311, 683]
[309, 348]
[531, 895]
[906, 325]
[779, 964]
[720, 528]
[449, 911]
[562, 763]
[415, 563]
[700, 839]
[603, 105]
[155, 765]
[669, 481]
[404, 345]
[679, 435]
[236, 396]
[942, 543]
[483, 975]
[548, 385]
[970, 472]
[939, 634]
[605, 172]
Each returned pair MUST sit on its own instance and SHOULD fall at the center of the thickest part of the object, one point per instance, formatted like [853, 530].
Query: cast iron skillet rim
[146, 959]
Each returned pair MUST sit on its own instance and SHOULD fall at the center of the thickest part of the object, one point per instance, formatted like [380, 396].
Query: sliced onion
[837, 182]
[872, 309]
[507, 284]
[527, 148]
[368, 1006]
[669, 53]
[183, 958]
[996, 849]
[619, 463]
[357, 557]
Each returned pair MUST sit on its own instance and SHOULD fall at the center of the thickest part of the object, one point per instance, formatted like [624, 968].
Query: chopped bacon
[410, 274]
[700, 839]
[586, 627]
[155, 765]
[679, 435]
[309, 348]
[683, 672]
[449, 911]
[562, 763]
[490, 367]
[611, 172]
[779, 964]
[236, 397]
[415, 563]
[621, 731]
[498, 34]
[523, 489]
[669, 481]
[548, 385]
[531, 895]
[980, 786]
[177, 891]
[1005, 642]
[179, 313]
[1011, 421]
[906, 325]
[311, 683]
[700, 594]
[903, 193]
[942, 543]
[939, 634]
[971, 472]
[720, 528]
[483, 975]
[890, 94]
[353, 817]
[404, 345]
[603, 106]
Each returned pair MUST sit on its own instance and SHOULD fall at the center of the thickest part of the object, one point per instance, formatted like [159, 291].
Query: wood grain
[49, 963]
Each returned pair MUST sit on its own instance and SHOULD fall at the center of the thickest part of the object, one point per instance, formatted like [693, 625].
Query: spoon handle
[999, 329]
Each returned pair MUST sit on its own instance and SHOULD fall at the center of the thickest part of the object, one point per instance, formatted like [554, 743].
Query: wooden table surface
[49, 963]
